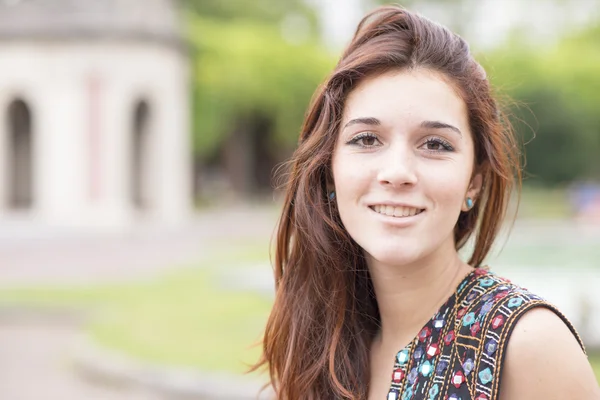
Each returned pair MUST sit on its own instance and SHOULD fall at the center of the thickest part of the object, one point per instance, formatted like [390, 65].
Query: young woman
[404, 156]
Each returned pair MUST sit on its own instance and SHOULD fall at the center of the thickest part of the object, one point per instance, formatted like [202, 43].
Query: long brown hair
[317, 339]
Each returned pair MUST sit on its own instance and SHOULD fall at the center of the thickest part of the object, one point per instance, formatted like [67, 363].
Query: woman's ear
[473, 192]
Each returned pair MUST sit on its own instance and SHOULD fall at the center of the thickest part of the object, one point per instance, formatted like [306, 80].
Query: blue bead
[402, 357]
[412, 376]
[441, 367]
[426, 368]
[485, 376]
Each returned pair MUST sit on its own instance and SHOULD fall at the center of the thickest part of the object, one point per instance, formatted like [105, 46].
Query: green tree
[252, 85]
[556, 91]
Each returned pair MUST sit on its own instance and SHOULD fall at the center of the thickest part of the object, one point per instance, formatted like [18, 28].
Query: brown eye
[434, 146]
[437, 145]
[369, 141]
[365, 140]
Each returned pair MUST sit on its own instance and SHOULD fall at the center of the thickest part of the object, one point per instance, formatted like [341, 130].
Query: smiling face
[402, 166]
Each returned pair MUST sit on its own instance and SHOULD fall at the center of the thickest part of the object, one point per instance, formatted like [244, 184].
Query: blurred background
[138, 143]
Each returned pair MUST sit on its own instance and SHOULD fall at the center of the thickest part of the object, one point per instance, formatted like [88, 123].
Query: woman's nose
[397, 167]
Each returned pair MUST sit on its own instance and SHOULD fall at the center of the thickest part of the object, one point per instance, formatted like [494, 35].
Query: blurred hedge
[557, 95]
[246, 68]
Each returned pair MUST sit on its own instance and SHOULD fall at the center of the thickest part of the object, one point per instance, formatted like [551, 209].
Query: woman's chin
[394, 257]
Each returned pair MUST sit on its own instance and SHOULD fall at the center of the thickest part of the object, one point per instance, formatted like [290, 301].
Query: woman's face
[402, 166]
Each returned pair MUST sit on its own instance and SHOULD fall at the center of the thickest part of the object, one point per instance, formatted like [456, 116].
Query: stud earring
[332, 195]
[469, 203]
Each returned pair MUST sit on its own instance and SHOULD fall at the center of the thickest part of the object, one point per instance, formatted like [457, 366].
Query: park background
[157, 308]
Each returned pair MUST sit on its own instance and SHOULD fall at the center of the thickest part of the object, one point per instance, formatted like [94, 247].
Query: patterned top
[458, 354]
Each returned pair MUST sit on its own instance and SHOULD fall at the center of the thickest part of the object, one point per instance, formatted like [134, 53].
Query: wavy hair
[325, 315]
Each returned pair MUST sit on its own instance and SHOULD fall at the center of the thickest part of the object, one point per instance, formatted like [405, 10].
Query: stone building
[94, 113]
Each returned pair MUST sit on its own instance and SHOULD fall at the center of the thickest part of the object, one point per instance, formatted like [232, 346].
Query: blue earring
[469, 202]
[332, 195]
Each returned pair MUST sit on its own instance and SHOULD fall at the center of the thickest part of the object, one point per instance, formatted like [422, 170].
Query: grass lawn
[548, 254]
[181, 319]
[543, 203]
[595, 361]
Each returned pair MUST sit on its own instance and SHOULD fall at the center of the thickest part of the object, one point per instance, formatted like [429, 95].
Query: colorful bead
[418, 353]
[393, 394]
[490, 347]
[438, 324]
[516, 302]
[441, 367]
[485, 376]
[412, 376]
[458, 379]
[498, 321]
[433, 350]
[449, 338]
[424, 334]
[475, 328]
[486, 282]
[426, 368]
[398, 375]
[469, 319]
[435, 389]
[402, 357]
[407, 394]
[468, 366]
[487, 307]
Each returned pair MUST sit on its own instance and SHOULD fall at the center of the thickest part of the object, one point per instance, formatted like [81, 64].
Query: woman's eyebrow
[364, 121]
[440, 125]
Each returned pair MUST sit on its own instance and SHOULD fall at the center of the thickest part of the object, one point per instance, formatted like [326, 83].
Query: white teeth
[395, 211]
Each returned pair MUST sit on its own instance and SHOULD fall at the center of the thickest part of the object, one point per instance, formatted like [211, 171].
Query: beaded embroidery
[458, 354]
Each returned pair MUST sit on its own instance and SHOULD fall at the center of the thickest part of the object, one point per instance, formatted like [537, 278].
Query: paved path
[34, 364]
[32, 255]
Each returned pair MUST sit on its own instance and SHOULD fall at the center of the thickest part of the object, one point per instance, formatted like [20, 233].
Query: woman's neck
[408, 296]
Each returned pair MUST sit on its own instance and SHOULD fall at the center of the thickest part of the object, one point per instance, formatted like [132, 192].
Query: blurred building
[94, 113]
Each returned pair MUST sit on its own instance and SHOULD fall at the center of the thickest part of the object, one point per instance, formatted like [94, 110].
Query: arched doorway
[140, 147]
[20, 156]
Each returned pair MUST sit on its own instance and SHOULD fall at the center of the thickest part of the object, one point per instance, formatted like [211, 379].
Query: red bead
[475, 328]
[497, 321]
[424, 334]
[461, 312]
[480, 271]
[398, 375]
[500, 295]
[433, 350]
[458, 379]
[481, 397]
[449, 338]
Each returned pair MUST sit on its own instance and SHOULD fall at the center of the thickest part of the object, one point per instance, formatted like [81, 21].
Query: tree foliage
[247, 69]
[556, 93]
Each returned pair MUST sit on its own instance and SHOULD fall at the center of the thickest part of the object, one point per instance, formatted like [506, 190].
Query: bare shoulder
[544, 361]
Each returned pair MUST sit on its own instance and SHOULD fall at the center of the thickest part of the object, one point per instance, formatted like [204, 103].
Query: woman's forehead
[406, 96]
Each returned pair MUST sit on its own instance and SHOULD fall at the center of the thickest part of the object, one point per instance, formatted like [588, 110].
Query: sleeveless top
[458, 354]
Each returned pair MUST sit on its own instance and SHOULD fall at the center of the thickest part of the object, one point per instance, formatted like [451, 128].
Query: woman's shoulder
[543, 360]
[489, 293]
[494, 322]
